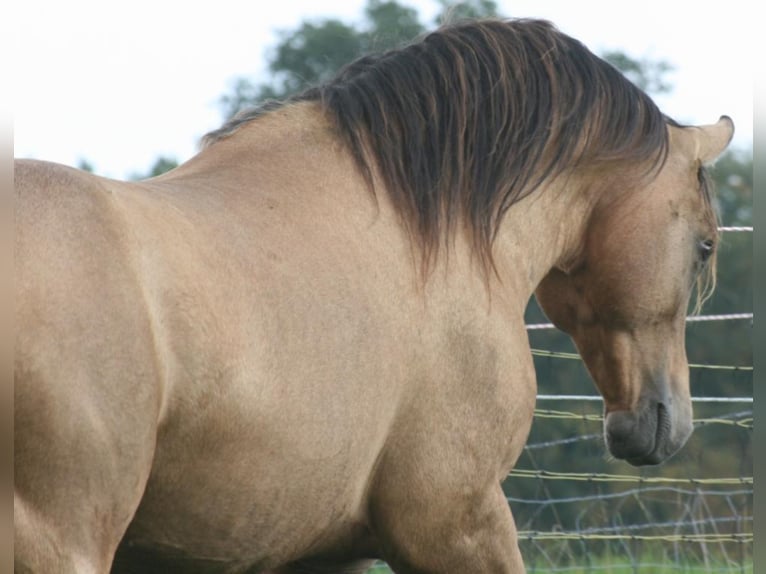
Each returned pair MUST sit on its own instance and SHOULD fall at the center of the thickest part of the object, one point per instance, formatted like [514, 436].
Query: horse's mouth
[661, 436]
[641, 439]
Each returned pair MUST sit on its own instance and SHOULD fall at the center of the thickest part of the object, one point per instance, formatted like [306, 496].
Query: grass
[602, 567]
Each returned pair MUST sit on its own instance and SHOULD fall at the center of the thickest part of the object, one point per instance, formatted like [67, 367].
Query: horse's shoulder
[65, 211]
[45, 187]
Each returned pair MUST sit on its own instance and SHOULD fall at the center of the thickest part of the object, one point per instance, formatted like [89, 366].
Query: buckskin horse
[304, 348]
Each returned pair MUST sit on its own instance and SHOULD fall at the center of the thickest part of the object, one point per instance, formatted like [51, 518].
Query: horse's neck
[543, 231]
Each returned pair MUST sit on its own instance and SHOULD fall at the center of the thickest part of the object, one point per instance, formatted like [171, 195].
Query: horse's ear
[711, 140]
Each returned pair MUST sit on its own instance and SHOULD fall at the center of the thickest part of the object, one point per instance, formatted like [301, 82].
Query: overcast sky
[120, 83]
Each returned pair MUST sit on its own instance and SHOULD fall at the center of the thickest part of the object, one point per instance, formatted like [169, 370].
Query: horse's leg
[63, 527]
[43, 545]
[81, 465]
[433, 533]
[36, 548]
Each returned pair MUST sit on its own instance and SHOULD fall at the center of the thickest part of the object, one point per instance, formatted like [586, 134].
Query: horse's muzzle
[645, 436]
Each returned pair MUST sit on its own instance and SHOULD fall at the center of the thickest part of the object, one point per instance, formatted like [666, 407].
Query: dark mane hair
[466, 121]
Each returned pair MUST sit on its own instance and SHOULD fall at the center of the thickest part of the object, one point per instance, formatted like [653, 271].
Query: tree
[315, 51]
[161, 165]
[649, 75]
[733, 175]
[389, 25]
[466, 10]
[85, 165]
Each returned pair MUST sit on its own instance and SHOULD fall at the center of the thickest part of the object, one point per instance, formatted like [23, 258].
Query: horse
[304, 349]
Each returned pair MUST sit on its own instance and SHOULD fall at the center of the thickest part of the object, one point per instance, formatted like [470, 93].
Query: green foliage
[733, 175]
[389, 24]
[649, 75]
[621, 564]
[306, 56]
[315, 51]
[453, 11]
[85, 165]
[161, 165]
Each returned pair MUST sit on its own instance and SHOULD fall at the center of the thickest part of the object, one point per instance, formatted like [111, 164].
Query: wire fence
[690, 319]
[686, 518]
[691, 516]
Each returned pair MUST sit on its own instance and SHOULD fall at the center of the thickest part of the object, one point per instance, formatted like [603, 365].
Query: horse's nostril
[621, 426]
[625, 437]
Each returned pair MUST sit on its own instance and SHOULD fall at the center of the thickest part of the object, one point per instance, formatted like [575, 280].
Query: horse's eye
[706, 249]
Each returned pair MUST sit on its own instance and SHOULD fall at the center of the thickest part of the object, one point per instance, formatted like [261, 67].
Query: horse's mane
[469, 119]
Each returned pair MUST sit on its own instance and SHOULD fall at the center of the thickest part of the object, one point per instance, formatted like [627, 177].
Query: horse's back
[85, 392]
